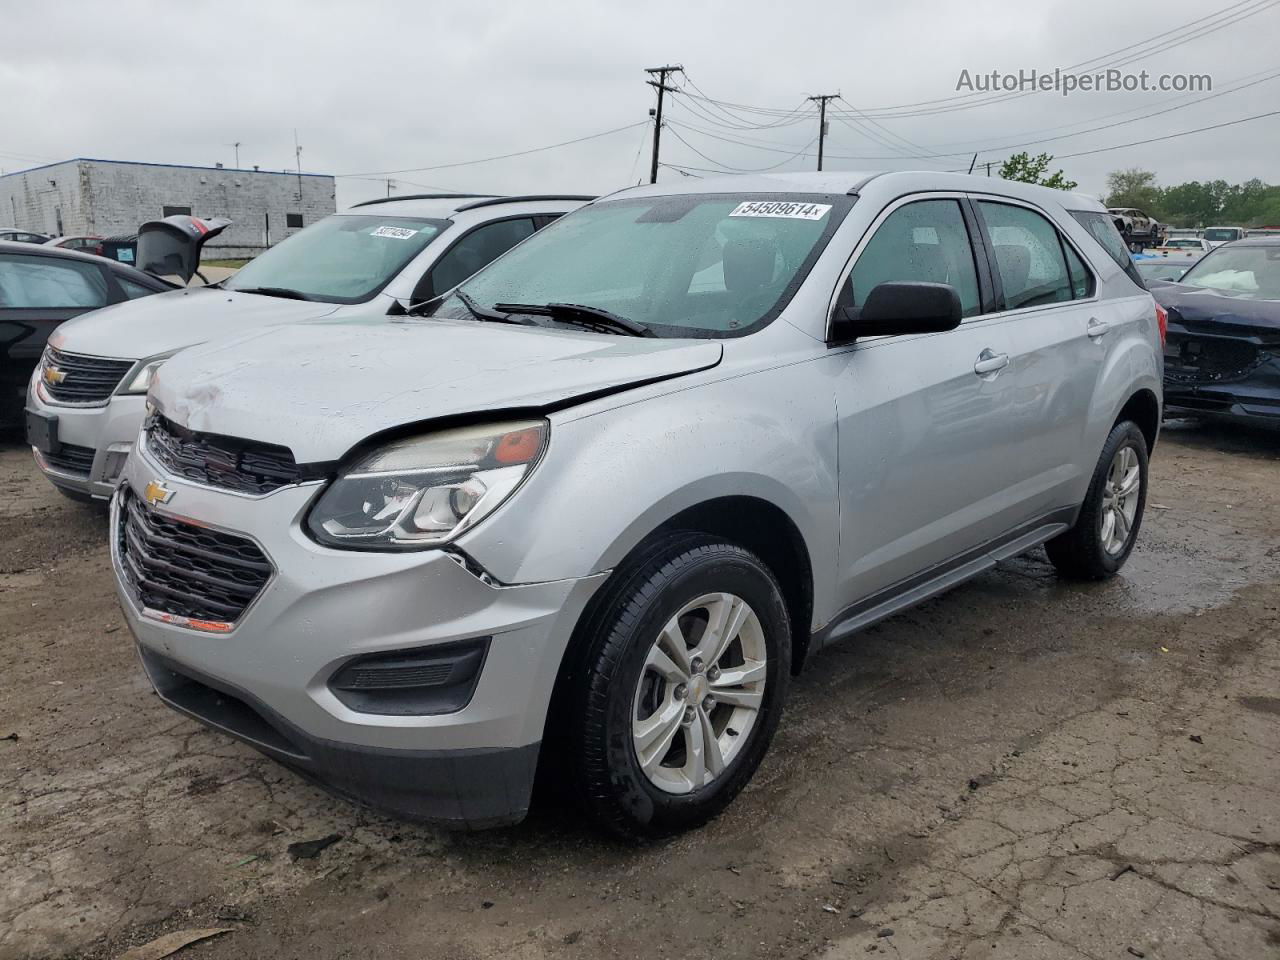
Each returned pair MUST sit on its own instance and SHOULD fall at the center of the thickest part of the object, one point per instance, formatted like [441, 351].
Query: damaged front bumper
[1223, 375]
[329, 669]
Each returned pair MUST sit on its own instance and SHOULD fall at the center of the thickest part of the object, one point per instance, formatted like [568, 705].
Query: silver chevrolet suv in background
[588, 513]
[88, 393]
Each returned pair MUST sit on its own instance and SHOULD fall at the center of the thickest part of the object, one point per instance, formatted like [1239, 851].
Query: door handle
[1097, 328]
[990, 362]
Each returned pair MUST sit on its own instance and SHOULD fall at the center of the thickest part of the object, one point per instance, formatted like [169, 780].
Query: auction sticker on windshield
[781, 208]
[397, 233]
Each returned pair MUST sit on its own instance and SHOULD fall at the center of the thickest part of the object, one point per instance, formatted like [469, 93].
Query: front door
[927, 464]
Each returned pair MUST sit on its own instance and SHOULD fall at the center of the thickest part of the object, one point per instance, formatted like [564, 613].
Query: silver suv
[86, 398]
[588, 513]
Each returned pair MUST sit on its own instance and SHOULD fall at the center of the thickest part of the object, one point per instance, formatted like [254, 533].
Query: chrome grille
[84, 379]
[178, 568]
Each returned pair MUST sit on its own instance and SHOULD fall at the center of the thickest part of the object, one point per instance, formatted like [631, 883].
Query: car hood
[1200, 310]
[321, 388]
[165, 322]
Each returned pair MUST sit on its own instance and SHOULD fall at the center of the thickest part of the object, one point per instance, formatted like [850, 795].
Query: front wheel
[1107, 527]
[680, 688]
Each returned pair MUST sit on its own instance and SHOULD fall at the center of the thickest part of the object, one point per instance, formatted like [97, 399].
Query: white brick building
[110, 197]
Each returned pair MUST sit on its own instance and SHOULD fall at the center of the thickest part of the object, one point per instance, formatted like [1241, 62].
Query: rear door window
[50, 283]
[925, 240]
[1028, 256]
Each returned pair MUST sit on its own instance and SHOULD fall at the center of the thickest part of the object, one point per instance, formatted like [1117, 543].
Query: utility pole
[822, 121]
[389, 185]
[297, 156]
[988, 168]
[973, 163]
[661, 85]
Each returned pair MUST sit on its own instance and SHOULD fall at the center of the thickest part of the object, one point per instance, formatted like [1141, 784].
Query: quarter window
[922, 241]
[132, 289]
[1028, 256]
[1103, 229]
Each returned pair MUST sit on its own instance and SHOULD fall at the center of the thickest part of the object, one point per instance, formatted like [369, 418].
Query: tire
[614, 687]
[1090, 550]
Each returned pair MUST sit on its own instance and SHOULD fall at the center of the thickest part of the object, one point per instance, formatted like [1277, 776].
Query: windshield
[710, 265]
[1222, 234]
[340, 259]
[1162, 269]
[1180, 244]
[1252, 272]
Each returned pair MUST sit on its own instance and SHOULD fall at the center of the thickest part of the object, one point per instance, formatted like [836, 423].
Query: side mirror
[899, 307]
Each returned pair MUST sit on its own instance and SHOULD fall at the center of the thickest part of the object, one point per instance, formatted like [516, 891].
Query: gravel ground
[1021, 768]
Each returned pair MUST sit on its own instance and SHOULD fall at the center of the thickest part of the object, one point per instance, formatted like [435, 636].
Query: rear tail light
[1162, 321]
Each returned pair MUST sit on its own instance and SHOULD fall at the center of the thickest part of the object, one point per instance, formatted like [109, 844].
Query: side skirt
[942, 577]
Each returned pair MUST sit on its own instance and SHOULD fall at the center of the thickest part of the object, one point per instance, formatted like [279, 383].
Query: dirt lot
[1019, 769]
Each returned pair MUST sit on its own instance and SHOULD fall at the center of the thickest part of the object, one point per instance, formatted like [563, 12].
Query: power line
[1229, 16]
[1170, 136]
[732, 169]
[503, 156]
[1159, 43]
[1272, 75]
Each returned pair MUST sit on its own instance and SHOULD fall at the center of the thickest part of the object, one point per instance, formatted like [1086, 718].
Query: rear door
[36, 294]
[927, 466]
[1059, 334]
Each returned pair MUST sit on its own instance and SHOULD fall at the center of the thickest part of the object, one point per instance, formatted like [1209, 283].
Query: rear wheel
[680, 689]
[1107, 528]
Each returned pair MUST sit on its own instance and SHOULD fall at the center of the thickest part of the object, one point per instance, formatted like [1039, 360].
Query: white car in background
[86, 399]
[1217, 236]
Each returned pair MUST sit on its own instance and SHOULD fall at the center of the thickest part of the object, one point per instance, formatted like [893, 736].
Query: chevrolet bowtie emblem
[157, 492]
[53, 376]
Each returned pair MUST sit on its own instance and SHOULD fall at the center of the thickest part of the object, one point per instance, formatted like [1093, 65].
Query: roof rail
[492, 201]
[419, 196]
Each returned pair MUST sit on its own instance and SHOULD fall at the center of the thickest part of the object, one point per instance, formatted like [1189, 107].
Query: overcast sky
[378, 86]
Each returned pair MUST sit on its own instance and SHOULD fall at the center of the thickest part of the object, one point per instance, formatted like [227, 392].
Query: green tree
[1028, 169]
[1190, 204]
[1134, 188]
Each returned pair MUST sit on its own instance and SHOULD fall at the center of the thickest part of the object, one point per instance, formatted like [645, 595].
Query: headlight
[141, 381]
[422, 492]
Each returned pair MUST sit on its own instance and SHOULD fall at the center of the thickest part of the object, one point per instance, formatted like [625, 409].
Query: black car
[1222, 357]
[40, 287]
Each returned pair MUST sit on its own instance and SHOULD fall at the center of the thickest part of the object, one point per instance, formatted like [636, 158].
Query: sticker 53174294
[791, 210]
[397, 233]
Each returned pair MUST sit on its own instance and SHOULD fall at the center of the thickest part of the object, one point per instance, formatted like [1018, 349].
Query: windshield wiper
[581, 315]
[484, 313]
[284, 293]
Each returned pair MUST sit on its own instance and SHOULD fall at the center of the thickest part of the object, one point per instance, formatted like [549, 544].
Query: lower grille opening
[70, 459]
[421, 682]
[217, 708]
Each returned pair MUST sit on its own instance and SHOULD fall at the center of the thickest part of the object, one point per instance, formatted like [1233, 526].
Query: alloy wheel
[700, 693]
[1120, 496]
